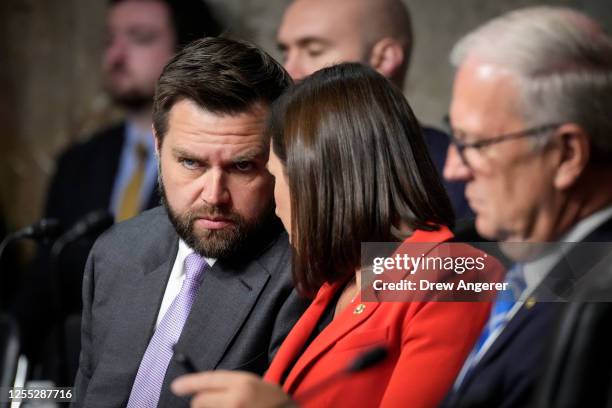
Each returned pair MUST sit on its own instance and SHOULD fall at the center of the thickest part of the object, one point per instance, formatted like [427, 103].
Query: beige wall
[49, 75]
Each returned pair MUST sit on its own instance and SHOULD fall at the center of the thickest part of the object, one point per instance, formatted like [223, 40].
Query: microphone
[368, 359]
[362, 362]
[95, 221]
[47, 228]
[98, 220]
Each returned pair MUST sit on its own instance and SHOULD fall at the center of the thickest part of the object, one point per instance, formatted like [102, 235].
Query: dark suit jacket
[437, 143]
[579, 371]
[85, 177]
[243, 310]
[509, 372]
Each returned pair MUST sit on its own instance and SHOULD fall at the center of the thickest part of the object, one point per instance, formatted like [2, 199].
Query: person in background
[530, 113]
[208, 274]
[318, 33]
[351, 166]
[115, 169]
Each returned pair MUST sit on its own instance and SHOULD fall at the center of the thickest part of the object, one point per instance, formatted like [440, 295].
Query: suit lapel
[558, 285]
[224, 302]
[559, 282]
[514, 326]
[134, 319]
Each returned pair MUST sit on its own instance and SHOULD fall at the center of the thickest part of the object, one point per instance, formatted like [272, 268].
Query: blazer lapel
[349, 319]
[294, 343]
[337, 329]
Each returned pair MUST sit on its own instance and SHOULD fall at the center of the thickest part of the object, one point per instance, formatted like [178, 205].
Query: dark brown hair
[356, 164]
[190, 19]
[220, 75]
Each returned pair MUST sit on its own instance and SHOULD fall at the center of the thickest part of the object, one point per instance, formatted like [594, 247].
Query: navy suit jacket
[85, 177]
[437, 143]
[509, 372]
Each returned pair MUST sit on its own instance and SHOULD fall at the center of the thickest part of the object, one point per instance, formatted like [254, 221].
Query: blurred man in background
[317, 33]
[115, 169]
[530, 114]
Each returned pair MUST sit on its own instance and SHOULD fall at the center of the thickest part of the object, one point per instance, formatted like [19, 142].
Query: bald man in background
[318, 33]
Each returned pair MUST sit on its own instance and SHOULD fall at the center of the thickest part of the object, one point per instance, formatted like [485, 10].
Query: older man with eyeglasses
[532, 139]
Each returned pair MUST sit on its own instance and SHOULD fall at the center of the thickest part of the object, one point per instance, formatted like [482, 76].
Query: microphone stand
[370, 358]
[43, 230]
[94, 221]
[4, 244]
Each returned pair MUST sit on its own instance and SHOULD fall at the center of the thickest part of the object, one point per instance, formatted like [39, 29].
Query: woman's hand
[230, 389]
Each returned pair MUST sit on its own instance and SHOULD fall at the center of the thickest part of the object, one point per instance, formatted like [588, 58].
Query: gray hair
[562, 60]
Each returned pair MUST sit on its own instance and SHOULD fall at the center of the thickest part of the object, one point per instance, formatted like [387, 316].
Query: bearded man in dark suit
[208, 274]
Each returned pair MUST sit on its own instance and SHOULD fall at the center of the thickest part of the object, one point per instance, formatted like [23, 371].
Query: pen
[183, 360]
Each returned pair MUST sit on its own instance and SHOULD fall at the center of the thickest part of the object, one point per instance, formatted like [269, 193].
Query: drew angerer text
[424, 284]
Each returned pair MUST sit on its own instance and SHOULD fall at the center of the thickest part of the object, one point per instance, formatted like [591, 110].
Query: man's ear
[575, 155]
[387, 57]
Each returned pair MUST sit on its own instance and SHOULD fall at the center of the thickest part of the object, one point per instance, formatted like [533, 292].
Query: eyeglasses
[479, 145]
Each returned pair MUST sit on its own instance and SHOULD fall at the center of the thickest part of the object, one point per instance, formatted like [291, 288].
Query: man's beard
[132, 99]
[220, 243]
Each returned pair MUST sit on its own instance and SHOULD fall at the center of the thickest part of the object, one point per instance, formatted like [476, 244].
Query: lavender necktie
[150, 377]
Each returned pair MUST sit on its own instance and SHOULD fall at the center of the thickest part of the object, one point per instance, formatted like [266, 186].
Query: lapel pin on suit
[531, 301]
[359, 309]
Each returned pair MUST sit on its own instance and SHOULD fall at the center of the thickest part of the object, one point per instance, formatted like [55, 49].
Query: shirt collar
[536, 271]
[185, 250]
[134, 135]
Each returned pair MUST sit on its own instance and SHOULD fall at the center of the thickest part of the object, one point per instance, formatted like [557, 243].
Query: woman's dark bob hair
[356, 164]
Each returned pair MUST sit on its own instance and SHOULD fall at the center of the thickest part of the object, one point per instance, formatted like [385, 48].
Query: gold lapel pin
[359, 309]
[531, 301]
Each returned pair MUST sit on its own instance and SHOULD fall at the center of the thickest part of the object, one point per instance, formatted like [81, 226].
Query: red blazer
[427, 343]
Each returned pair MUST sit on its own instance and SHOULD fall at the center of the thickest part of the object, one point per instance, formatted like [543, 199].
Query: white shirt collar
[184, 250]
[537, 270]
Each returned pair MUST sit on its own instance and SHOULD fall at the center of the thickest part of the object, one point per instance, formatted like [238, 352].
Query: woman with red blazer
[351, 166]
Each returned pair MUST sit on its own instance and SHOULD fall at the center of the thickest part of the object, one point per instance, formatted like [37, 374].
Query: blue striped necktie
[498, 318]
